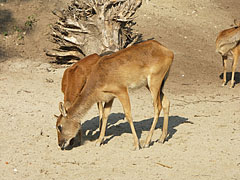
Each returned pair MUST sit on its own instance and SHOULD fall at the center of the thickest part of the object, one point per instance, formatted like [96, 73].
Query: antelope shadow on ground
[91, 127]
[2, 55]
[6, 27]
[229, 77]
[7, 21]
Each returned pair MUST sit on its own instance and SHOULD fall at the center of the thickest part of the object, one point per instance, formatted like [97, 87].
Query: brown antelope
[228, 45]
[74, 79]
[144, 64]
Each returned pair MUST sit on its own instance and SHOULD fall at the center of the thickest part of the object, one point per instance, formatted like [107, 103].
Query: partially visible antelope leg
[106, 112]
[224, 59]
[166, 107]
[157, 109]
[100, 110]
[154, 89]
[125, 101]
[235, 60]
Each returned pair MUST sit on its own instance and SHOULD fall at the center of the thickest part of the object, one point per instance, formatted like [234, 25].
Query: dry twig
[163, 165]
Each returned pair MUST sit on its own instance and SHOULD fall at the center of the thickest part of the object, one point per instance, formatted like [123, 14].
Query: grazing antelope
[228, 45]
[74, 79]
[144, 64]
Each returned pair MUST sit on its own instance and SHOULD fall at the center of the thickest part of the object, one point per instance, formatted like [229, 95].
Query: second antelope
[144, 64]
[228, 45]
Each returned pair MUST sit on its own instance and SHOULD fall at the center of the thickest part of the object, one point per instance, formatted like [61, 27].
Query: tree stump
[94, 26]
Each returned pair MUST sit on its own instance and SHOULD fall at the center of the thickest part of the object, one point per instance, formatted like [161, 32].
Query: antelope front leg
[100, 109]
[235, 59]
[106, 112]
[224, 58]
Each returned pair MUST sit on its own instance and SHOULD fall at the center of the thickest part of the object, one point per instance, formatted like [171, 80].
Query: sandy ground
[203, 141]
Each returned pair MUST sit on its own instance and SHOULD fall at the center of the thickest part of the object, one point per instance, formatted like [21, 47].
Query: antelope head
[67, 128]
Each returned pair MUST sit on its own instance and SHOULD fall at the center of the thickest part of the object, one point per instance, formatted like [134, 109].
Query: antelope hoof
[223, 84]
[98, 143]
[136, 148]
[146, 145]
[232, 83]
[162, 139]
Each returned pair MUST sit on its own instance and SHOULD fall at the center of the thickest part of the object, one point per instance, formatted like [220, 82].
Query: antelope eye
[60, 128]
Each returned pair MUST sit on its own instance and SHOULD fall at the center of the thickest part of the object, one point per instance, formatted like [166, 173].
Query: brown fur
[74, 79]
[228, 45]
[144, 64]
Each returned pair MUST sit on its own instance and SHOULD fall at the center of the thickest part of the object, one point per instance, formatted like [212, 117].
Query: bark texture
[94, 26]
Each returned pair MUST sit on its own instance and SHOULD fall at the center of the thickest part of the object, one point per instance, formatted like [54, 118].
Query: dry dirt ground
[204, 125]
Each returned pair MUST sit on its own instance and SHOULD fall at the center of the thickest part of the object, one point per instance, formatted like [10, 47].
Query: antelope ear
[62, 109]
[236, 22]
[67, 105]
[56, 116]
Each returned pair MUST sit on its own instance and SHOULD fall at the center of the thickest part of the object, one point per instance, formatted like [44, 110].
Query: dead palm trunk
[94, 26]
